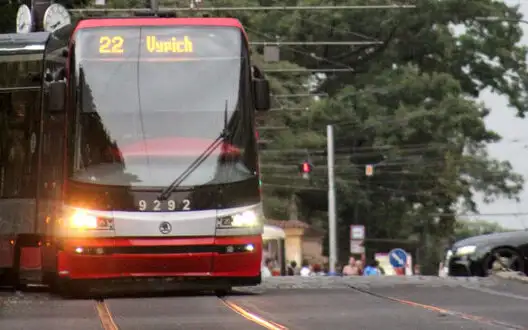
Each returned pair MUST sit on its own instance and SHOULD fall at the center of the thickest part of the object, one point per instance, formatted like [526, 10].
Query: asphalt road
[287, 303]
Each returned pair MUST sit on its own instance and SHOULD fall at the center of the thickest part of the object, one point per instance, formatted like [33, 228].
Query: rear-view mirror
[262, 94]
[56, 96]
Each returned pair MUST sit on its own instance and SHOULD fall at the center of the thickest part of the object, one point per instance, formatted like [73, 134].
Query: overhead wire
[162, 10]
[294, 49]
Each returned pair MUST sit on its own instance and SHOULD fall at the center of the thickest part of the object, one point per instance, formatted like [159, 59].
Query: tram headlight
[82, 220]
[245, 219]
[240, 220]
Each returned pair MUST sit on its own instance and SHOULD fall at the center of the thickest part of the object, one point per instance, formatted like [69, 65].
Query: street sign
[357, 232]
[398, 258]
[356, 247]
[271, 53]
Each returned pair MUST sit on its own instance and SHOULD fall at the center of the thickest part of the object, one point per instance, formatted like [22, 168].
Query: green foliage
[466, 229]
[70, 4]
[8, 17]
[409, 107]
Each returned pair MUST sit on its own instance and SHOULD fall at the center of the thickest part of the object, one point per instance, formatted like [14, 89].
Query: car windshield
[152, 99]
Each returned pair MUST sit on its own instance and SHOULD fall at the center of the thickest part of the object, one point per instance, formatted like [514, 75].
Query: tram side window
[18, 120]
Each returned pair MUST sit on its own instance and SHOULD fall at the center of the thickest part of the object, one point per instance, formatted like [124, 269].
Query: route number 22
[170, 205]
[109, 45]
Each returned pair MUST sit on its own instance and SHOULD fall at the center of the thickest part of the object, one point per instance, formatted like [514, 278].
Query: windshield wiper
[225, 134]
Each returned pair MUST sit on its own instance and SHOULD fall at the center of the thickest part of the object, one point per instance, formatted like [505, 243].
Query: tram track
[359, 304]
[442, 311]
[267, 324]
[108, 322]
[105, 316]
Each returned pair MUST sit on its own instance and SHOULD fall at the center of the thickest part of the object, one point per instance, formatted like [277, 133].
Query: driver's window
[97, 146]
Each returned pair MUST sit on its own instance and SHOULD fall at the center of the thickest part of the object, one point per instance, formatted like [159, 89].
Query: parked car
[478, 255]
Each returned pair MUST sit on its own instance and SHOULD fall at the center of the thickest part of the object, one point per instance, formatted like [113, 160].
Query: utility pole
[332, 225]
[153, 5]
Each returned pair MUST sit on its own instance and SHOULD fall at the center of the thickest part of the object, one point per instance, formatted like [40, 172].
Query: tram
[128, 150]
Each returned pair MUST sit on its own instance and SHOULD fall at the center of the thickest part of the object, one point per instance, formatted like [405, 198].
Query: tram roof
[23, 43]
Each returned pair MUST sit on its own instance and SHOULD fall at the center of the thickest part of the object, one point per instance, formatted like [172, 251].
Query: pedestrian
[267, 268]
[292, 267]
[381, 270]
[371, 269]
[360, 267]
[305, 269]
[318, 270]
[351, 269]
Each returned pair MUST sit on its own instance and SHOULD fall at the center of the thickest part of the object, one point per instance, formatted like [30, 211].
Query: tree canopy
[465, 229]
[409, 106]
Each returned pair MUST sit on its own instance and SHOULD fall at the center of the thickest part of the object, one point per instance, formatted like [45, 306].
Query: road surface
[287, 303]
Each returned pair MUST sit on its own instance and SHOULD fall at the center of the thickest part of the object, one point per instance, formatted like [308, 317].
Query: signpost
[357, 232]
[357, 236]
[356, 247]
[398, 259]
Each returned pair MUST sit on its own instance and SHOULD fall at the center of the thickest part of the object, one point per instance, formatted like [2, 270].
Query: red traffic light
[306, 167]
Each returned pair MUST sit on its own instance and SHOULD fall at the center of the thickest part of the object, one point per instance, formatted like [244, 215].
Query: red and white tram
[131, 153]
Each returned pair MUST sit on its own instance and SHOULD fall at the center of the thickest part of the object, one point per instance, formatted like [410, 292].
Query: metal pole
[38, 9]
[300, 70]
[301, 95]
[154, 5]
[332, 226]
[316, 43]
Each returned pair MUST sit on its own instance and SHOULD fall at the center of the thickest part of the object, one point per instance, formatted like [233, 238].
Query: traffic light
[305, 169]
[369, 170]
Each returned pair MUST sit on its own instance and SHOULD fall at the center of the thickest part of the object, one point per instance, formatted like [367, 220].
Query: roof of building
[297, 224]
[288, 224]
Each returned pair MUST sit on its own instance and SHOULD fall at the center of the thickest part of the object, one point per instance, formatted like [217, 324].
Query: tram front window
[150, 90]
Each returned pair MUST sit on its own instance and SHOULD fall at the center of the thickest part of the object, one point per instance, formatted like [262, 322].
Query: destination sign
[153, 44]
[148, 42]
[173, 45]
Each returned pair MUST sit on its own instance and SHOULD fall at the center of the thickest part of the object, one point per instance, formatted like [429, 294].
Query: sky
[513, 148]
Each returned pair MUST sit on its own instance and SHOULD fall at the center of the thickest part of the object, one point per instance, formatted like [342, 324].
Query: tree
[465, 229]
[485, 55]
[429, 142]
[410, 104]
[8, 17]
[283, 113]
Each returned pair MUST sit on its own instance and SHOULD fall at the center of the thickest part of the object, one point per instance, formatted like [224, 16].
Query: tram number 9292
[168, 205]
